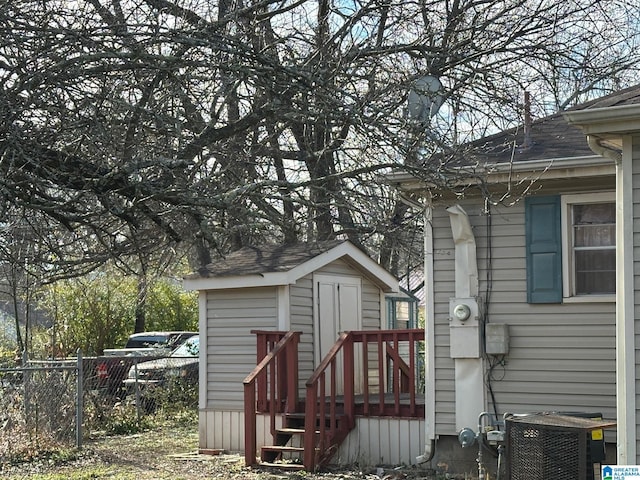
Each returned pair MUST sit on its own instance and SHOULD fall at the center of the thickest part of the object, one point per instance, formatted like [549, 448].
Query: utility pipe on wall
[429, 336]
[464, 337]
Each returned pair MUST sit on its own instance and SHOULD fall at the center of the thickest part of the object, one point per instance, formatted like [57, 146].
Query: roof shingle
[267, 258]
[550, 137]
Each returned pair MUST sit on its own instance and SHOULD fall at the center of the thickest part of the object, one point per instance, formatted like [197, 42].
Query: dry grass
[168, 452]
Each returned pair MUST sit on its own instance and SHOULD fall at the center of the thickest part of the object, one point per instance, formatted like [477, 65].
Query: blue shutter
[544, 249]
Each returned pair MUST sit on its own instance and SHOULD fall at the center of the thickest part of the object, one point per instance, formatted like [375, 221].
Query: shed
[319, 289]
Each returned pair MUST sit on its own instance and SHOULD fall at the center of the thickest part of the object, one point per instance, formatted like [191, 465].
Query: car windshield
[147, 341]
[190, 348]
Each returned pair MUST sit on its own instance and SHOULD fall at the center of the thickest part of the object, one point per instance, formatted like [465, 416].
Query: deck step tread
[283, 466]
[281, 448]
[290, 430]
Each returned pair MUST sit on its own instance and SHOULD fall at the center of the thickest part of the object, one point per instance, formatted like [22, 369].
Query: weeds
[124, 420]
[88, 474]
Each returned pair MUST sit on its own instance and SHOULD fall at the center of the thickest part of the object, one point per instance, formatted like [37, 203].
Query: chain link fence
[40, 407]
[116, 386]
[48, 404]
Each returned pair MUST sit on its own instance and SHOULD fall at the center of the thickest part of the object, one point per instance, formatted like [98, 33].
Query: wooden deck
[373, 407]
[335, 397]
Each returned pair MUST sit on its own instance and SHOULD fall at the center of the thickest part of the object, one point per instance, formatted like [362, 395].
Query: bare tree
[132, 126]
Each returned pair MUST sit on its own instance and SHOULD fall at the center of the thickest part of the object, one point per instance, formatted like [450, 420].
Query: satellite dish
[425, 98]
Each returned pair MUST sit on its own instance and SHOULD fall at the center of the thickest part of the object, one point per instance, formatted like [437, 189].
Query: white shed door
[338, 300]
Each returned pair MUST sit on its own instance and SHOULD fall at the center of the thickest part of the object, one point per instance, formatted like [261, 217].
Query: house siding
[561, 356]
[231, 352]
[636, 280]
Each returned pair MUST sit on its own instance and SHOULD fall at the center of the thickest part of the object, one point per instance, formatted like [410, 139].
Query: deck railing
[379, 367]
[272, 386]
[392, 385]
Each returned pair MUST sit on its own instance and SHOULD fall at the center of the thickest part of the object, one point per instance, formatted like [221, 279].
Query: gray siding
[636, 280]
[231, 351]
[562, 356]
[301, 315]
[301, 295]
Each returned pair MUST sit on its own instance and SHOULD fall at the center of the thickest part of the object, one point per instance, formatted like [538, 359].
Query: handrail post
[412, 373]
[309, 457]
[261, 352]
[349, 377]
[292, 377]
[250, 447]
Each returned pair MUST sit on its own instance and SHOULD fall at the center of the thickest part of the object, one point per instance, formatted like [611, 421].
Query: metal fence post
[25, 381]
[80, 398]
[137, 390]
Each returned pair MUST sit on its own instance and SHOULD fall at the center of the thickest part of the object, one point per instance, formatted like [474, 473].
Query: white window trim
[567, 258]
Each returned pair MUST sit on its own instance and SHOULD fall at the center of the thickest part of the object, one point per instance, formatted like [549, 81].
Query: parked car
[147, 342]
[181, 368]
[112, 368]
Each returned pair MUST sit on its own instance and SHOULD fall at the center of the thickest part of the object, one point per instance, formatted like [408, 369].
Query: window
[589, 245]
[570, 248]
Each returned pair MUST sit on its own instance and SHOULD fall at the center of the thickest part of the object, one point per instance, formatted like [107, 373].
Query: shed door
[338, 300]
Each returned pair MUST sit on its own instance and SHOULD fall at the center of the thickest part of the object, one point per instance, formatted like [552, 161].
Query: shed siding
[301, 315]
[225, 430]
[301, 299]
[561, 357]
[231, 353]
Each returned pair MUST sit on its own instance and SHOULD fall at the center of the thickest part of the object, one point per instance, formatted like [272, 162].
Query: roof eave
[355, 256]
[496, 173]
[236, 281]
[619, 119]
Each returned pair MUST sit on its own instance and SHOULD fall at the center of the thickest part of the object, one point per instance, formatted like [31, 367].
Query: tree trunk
[141, 304]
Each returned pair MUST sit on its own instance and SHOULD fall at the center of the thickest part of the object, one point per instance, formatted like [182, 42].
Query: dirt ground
[171, 454]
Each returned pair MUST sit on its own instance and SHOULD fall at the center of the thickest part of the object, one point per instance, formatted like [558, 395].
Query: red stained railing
[272, 386]
[384, 385]
[387, 385]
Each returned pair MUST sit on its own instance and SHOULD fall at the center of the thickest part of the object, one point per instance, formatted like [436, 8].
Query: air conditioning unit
[545, 446]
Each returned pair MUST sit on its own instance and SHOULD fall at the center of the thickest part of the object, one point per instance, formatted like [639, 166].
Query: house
[290, 335]
[533, 261]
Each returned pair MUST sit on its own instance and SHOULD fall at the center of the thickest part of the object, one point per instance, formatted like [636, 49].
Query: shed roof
[268, 265]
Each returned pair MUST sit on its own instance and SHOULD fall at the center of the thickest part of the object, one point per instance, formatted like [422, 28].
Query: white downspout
[625, 318]
[429, 337]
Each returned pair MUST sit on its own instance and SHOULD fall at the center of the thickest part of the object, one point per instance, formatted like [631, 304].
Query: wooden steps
[287, 452]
